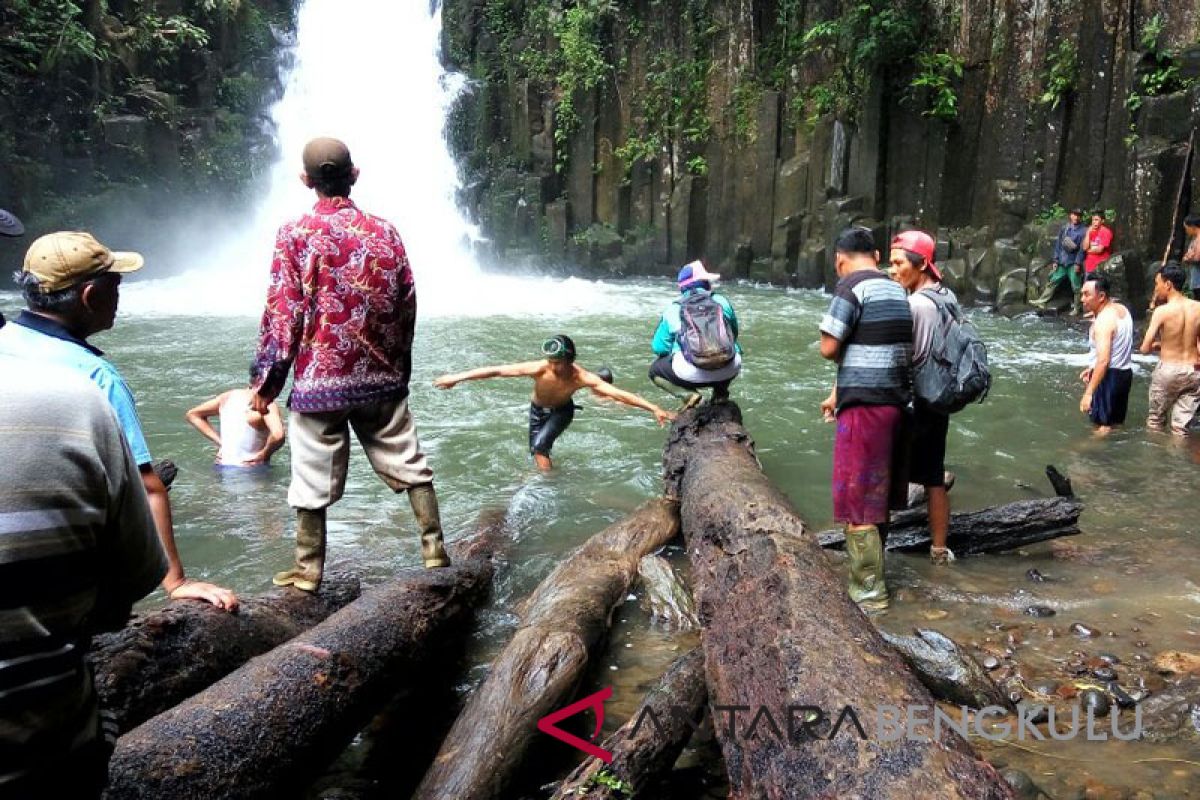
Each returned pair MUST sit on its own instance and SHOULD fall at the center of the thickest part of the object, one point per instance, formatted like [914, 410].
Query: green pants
[1073, 272]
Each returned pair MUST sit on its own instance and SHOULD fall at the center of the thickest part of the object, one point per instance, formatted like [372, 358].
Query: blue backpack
[704, 336]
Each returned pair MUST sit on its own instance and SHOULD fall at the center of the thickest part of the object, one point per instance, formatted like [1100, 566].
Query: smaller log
[164, 657]
[563, 624]
[1061, 483]
[989, 530]
[950, 673]
[668, 598]
[646, 746]
[271, 726]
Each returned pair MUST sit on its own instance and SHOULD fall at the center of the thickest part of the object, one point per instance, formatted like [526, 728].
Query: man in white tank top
[1110, 375]
[246, 438]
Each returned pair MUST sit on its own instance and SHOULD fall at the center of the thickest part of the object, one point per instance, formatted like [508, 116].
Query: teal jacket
[666, 336]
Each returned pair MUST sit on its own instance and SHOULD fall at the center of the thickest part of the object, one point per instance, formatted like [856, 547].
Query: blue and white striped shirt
[870, 316]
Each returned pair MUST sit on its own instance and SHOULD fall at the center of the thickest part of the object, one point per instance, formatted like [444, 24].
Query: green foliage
[868, 37]
[603, 777]
[39, 36]
[1062, 73]
[746, 97]
[697, 165]
[938, 73]
[1160, 76]
[1051, 214]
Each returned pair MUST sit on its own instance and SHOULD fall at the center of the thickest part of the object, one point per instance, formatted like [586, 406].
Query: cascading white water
[367, 72]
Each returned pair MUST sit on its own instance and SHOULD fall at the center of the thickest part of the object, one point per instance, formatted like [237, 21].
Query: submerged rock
[1175, 662]
[1040, 611]
[1083, 631]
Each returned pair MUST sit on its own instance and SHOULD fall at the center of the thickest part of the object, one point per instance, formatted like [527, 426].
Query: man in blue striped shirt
[868, 332]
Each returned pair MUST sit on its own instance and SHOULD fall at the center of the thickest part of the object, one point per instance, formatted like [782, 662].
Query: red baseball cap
[922, 244]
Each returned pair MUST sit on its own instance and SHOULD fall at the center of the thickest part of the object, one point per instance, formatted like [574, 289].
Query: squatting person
[342, 308]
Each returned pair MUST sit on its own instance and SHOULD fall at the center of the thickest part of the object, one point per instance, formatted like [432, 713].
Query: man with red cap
[912, 265]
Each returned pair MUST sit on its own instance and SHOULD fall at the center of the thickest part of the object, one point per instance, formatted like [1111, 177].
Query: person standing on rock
[1097, 244]
[868, 332]
[1069, 256]
[1175, 384]
[912, 266]
[1110, 374]
[342, 308]
[1191, 256]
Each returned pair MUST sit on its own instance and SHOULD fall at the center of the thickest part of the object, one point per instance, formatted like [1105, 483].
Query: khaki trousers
[1174, 395]
[321, 451]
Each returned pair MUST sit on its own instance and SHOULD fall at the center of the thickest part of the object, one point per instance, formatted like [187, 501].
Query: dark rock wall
[764, 191]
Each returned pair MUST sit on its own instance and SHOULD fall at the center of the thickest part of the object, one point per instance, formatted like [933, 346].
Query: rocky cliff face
[630, 137]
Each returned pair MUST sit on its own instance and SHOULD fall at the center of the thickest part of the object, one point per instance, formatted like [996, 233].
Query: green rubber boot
[310, 552]
[425, 506]
[867, 586]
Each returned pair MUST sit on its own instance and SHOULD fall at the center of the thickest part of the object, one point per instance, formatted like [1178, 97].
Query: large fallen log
[563, 623]
[166, 656]
[780, 634]
[989, 530]
[268, 728]
[646, 746]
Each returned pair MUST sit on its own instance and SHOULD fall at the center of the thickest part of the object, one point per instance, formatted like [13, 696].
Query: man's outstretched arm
[525, 369]
[605, 389]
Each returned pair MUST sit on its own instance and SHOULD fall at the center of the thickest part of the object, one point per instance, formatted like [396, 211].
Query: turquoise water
[1139, 541]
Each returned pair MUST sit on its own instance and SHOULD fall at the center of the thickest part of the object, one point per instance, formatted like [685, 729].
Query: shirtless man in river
[1175, 385]
[556, 378]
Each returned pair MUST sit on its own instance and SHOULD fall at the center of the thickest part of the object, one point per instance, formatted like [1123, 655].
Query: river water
[1130, 574]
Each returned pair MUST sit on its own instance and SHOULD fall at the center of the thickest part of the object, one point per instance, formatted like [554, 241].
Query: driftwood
[646, 746]
[779, 633]
[562, 626]
[950, 673]
[164, 657]
[989, 530]
[269, 727]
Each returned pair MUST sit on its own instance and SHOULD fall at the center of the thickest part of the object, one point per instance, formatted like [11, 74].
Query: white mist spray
[367, 72]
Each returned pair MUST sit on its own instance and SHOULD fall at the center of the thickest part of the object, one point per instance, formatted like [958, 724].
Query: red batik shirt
[342, 307]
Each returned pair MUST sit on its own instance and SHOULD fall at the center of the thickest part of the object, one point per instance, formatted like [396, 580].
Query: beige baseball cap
[61, 260]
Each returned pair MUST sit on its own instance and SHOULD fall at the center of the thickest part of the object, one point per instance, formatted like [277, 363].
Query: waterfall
[367, 72]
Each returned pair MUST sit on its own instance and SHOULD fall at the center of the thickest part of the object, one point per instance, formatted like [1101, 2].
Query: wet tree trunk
[268, 728]
[164, 657]
[989, 530]
[779, 633]
[563, 624]
[646, 746]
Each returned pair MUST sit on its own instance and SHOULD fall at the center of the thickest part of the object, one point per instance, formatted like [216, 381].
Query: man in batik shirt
[341, 307]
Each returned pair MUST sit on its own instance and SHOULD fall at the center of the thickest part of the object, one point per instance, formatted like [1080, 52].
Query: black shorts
[546, 425]
[927, 450]
[1110, 403]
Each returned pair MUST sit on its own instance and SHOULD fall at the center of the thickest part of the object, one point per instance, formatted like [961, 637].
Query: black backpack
[956, 372]
[704, 336]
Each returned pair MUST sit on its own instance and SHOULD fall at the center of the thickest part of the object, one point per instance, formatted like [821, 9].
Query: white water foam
[368, 72]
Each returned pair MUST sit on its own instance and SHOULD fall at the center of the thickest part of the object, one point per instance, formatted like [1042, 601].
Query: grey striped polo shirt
[870, 316]
[77, 548]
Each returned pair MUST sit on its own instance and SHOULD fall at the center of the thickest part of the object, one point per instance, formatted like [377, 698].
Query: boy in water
[556, 378]
[247, 438]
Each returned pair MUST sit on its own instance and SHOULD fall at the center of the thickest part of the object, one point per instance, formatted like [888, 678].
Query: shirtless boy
[1175, 384]
[556, 378]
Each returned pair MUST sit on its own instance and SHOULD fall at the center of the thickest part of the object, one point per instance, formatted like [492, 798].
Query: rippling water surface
[1133, 567]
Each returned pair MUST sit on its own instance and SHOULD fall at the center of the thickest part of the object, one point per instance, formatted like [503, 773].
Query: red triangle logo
[549, 724]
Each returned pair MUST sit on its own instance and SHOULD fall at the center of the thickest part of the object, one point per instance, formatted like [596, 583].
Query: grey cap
[9, 224]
